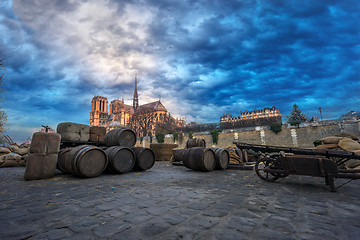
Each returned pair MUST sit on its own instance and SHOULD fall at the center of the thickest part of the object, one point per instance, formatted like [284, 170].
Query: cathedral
[120, 114]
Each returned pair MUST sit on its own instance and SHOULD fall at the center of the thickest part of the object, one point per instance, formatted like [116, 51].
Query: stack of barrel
[121, 144]
[117, 156]
[197, 156]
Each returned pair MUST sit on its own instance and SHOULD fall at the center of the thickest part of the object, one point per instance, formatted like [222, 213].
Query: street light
[320, 113]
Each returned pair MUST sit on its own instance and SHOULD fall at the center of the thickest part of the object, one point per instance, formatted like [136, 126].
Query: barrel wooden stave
[108, 137]
[239, 152]
[144, 158]
[121, 159]
[120, 137]
[200, 159]
[62, 156]
[245, 155]
[86, 161]
[222, 158]
[195, 142]
[179, 155]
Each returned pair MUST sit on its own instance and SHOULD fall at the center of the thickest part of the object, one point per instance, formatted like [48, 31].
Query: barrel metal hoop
[76, 160]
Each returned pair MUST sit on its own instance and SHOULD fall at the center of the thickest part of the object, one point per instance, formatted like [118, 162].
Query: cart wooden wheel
[266, 163]
[277, 165]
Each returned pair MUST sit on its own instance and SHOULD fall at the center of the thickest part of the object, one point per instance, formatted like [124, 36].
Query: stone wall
[302, 137]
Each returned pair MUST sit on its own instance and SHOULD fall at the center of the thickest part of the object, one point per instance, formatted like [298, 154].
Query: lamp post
[320, 113]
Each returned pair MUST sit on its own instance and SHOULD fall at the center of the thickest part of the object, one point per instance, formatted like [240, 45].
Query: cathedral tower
[99, 111]
[135, 98]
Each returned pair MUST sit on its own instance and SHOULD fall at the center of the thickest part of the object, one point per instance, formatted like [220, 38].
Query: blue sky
[204, 58]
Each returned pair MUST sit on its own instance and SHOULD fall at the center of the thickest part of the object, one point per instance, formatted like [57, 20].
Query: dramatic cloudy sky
[203, 57]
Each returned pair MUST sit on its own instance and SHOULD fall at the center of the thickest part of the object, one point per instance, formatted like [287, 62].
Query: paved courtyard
[172, 202]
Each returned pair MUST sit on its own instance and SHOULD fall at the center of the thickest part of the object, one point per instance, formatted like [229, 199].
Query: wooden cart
[297, 161]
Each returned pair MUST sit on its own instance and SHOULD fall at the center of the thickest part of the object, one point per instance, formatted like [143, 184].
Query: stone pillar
[294, 137]
[122, 117]
[262, 137]
[97, 105]
[106, 106]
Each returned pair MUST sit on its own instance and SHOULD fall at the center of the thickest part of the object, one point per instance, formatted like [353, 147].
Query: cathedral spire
[135, 98]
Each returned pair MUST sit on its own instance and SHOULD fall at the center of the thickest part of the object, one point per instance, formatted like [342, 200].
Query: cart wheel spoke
[261, 167]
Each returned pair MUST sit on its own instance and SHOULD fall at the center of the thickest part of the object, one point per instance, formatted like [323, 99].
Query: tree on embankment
[296, 117]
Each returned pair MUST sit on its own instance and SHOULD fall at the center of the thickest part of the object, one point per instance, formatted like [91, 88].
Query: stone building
[123, 115]
[266, 112]
[99, 111]
[257, 117]
[120, 112]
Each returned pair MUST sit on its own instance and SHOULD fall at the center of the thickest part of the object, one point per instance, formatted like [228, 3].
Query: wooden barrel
[245, 155]
[62, 156]
[120, 137]
[240, 154]
[195, 142]
[86, 161]
[179, 155]
[121, 159]
[222, 158]
[200, 159]
[144, 158]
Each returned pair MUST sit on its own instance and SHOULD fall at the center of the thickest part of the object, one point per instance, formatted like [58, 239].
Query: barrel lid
[123, 159]
[92, 162]
[209, 159]
[146, 159]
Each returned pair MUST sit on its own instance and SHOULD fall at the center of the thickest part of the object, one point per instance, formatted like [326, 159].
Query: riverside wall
[302, 137]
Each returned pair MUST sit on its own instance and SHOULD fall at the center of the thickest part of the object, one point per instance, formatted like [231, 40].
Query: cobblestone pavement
[172, 202]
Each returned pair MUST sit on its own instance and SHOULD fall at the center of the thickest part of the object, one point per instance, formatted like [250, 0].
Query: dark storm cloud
[298, 50]
[204, 58]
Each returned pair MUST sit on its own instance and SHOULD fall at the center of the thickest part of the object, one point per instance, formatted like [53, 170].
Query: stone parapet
[302, 137]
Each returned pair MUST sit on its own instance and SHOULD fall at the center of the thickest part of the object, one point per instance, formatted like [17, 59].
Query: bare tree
[166, 125]
[148, 121]
[142, 122]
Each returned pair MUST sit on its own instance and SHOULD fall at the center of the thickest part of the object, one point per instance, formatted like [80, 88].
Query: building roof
[129, 109]
[157, 105]
[121, 104]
